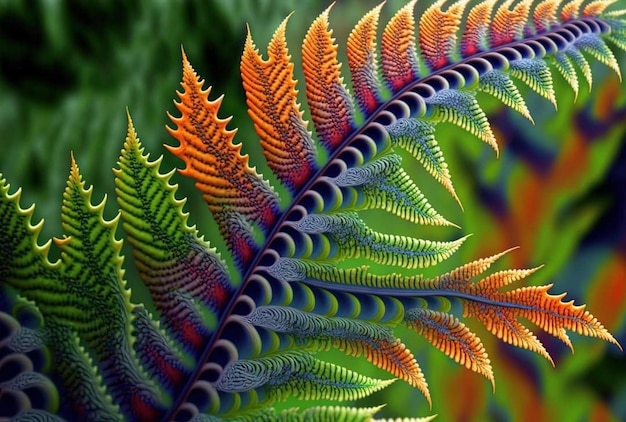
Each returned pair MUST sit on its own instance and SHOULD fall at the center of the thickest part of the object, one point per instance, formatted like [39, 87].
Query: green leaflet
[385, 185]
[25, 267]
[356, 337]
[418, 138]
[536, 74]
[178, 266]
[79, 296]
[500, 85]
[597, 48]
[314, 414]
[565, 66]
[354, 238]
[296, 374]
[462, 109]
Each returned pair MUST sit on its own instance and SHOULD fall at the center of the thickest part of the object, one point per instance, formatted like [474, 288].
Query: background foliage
[68, 69]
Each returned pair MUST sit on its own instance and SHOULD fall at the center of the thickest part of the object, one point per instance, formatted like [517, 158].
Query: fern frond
[226, 346]
[361, 50]
[295, 374]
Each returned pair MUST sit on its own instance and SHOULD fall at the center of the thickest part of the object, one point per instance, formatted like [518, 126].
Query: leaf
[438, 32]
[462, 109]
[362, 61]
[418, 138]
[299, 375]
[452, 337]
[237, 196]
[352, 238]
[507, 24]
[328, 99]
[536, 75]
[544, 16]
[475, 35]
[385, 185]
[498, 84]
[355, 337]
[188, 281]
[398, 51]
[272, 104]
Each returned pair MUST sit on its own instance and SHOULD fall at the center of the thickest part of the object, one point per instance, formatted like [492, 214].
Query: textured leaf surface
[418, 137]
[507, 24]
[356, 338]
[398, 49]
[300, 375]
[329, 102]
[452, 337]
[237, 196]
[187, 279]
[463, 110]
[362, 60]
[438, 32]
[272, 104]
[477, 28]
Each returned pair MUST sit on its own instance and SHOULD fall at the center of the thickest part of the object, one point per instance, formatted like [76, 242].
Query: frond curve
[219, 349]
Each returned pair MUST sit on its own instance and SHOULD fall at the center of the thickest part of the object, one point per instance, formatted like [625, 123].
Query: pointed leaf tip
[331, 106]
[236, 194]
[363, 63]
[398, 49]
[271, 96]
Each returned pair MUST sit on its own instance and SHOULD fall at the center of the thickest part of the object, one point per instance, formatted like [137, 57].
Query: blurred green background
[68, 69]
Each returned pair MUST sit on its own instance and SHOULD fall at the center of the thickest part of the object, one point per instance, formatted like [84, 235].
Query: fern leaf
[100, 314]
[327, 96]
[361, 52]
[571, 10]
[398, 49]
[438, 32]
[356, 338]
[475, 35]
[498, 84]
[297, 374]
[598, 49]
[463, 110]
[536, 75]
[188, 281]
[385, 185]
[351, 237]
[237, 196]
[577, 57]
[418, 137]
[508, 24]
[500, 312]
[26, 268]
[90, 264]
[597, 7]
[315, 413]
[272, 104]
[452, 337]
[565, 66]
[544, 16]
